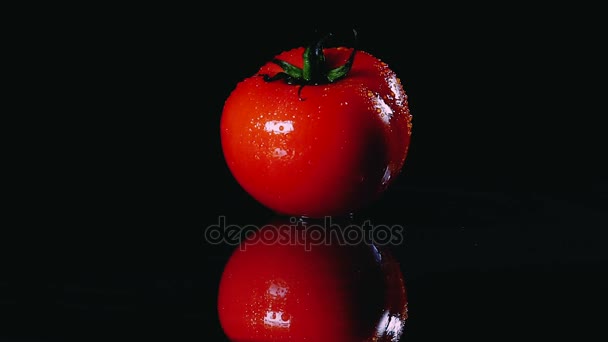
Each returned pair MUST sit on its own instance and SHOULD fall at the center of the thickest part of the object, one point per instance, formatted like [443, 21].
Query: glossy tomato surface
[284, 290]
[327, 149]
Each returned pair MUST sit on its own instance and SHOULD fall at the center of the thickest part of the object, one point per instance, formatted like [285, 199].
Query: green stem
[314, 69]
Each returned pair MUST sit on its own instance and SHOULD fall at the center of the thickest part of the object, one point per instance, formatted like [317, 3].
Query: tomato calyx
[315, 70]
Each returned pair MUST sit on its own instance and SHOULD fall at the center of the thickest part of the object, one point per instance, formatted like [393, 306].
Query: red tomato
[318, 146]
[284, 291]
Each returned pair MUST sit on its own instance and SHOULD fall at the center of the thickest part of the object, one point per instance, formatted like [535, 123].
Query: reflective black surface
[476, 264]
[503, 196]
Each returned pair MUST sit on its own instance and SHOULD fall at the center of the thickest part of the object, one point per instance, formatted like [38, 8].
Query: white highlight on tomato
[277, 319]
[397, 90]
[390, 326]
[384, 111]
[279, 152]
[387, 175]
[278, 127]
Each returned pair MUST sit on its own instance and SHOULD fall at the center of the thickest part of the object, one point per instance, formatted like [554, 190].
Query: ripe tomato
[275, 290]
[317, 131]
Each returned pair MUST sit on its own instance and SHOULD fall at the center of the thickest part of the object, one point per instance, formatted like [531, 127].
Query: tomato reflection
[291, 290]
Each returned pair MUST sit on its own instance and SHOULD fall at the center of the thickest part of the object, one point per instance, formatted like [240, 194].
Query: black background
[503, 194]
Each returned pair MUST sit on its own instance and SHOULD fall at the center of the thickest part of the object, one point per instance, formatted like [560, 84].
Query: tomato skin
[330, 152]
[288, 292]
